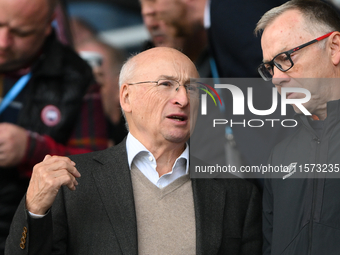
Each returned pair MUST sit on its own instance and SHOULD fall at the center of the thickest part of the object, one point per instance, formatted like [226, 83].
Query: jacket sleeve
[44, 236]
[89, 134]
[28, 235]
[252, 238]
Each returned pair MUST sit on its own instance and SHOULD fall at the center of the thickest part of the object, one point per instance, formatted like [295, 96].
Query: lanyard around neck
[14, 91]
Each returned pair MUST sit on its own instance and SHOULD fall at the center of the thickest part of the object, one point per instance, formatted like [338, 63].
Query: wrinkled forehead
[287, 22]
[160, 64]
[286, 31]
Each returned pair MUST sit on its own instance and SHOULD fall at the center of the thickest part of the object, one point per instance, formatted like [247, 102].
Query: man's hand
[13, 143]
[47, 178]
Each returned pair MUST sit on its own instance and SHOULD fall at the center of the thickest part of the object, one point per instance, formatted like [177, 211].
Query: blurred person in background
[236, 52]
[183, 33]
[185, 36]
[43, 107]
[81, 30]
[106, 62]
[104, 15]
[106, 71]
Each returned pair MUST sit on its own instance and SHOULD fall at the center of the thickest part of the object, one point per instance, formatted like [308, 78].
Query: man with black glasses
[301, 49]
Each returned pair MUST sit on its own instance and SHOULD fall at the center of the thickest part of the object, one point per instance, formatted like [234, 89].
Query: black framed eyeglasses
[169, 85]
[283, 61]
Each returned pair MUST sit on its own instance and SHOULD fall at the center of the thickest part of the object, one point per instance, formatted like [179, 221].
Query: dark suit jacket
[99, 217]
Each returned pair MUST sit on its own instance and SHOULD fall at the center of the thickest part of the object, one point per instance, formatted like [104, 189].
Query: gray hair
[126, 73]
[319, 17]
[127, 70]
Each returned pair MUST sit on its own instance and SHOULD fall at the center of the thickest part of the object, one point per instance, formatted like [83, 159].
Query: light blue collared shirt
[144, 160]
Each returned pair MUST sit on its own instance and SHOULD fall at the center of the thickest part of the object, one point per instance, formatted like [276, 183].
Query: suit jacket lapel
[113, 181]
[209, 200]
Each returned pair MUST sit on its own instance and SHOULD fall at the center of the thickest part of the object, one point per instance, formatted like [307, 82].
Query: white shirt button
[150, 158]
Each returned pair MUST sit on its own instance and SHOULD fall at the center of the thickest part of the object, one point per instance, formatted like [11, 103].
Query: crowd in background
[65, 120]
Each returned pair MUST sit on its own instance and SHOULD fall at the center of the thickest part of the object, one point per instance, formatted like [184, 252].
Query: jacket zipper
[315, 184]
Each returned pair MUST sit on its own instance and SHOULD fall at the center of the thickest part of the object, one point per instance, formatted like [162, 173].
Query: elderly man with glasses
[137, 197]
[301, 215]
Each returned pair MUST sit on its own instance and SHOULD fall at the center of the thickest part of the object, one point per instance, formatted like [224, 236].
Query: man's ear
[124, 99]
[334, 42]
[48, 28]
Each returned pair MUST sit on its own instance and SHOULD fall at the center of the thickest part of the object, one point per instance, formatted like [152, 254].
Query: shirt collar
[135, 147]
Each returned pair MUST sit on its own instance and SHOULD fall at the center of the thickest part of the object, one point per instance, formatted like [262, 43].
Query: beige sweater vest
[165, 217]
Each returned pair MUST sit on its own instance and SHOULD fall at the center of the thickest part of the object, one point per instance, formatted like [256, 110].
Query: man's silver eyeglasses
[283, 60]
[170, 85]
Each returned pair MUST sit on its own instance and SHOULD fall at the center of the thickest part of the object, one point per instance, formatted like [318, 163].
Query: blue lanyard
[14, 91]
[214, 71]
